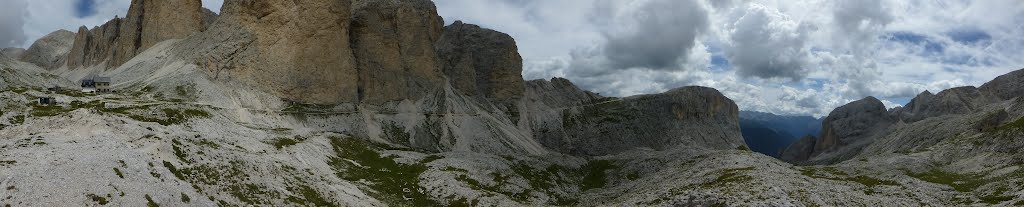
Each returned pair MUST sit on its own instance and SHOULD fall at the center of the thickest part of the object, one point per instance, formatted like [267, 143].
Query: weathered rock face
[393, 43]
[481, 62]
[209, 17]
[961, 100]
[297, 50]
[1008, 86]
[559, 92]
[147, 23]
[169, 19]
[800, 150]
[51, 51]
[852, 122]
[690, 116]
[11, 52]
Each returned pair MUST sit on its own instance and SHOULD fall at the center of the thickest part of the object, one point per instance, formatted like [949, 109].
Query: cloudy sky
[781, 56]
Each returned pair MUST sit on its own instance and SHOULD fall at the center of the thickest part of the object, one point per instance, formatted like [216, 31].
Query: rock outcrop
[852, 123]
[393, 43]
[12, 52]
[296, 50]
[844, 133]
[1007, 86]
[51, 51]
[559, 92]
[147, 23]
[481, 62]
[800, 150]
[209, 17]
[690, 116]
[960, 100]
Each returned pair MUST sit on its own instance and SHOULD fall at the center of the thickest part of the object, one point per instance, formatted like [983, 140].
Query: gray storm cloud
[768, 44]
[662, 34]
[12, 21]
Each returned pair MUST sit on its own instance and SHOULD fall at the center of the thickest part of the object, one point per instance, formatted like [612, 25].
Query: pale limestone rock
[51, 51]
[481, 62]
[393, 42]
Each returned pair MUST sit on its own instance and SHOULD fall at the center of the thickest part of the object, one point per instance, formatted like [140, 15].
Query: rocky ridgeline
[865, 124]
[376, 103]
[147, 23]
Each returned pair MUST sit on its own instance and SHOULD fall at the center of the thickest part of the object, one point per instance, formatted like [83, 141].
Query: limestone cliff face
[51, 51]
[851, 122]
[846, 131]
[689, 116]
[147, 23]
[393, 42]
[481, 62]
[297, 50]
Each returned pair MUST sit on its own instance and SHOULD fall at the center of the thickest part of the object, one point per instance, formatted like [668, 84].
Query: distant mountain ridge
[769, 133]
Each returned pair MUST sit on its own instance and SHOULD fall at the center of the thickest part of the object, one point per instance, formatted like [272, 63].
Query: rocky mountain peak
[481, 62]
[1007, 86]
[393, 42]
[147, 23]
[959, 100]
[850, 122]
[50, 51]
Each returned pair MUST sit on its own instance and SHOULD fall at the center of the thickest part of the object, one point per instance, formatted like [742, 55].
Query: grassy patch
[729, 176]
[959, 182]
[98, 199]
[19, 119]
[1015, 125]
[149, 202]
[310, 197]
[743, 148]
[208, 143]
[178, 152]
[118, 172]
[282, 142]
[185, 198]
[595, 174]
[392, 182]
[301, 108]
[7, 162]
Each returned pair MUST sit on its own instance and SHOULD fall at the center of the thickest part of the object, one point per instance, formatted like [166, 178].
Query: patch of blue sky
[969, 36]
[84, 8]
[720, 63]
[930, 46]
